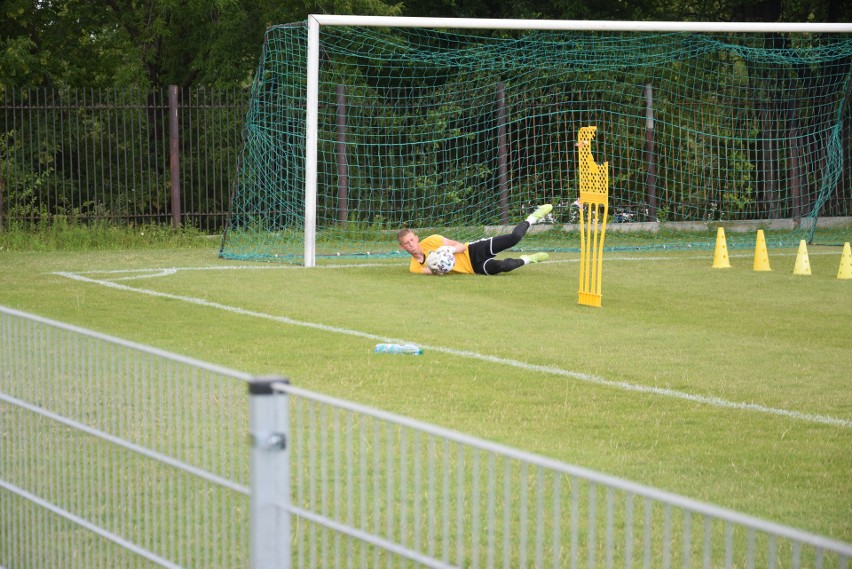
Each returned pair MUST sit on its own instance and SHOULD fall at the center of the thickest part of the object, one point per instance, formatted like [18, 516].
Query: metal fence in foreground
[114, 454]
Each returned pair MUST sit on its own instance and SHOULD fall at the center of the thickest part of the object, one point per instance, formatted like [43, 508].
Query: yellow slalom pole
[594, 203]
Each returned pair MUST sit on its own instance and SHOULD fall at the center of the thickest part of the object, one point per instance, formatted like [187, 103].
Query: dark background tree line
[153, 43]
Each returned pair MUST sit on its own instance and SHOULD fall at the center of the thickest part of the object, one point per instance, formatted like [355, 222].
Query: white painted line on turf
[702, 399]
[135, 274]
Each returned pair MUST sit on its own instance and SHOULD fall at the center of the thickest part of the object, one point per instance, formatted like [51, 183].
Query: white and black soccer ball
[441, 260]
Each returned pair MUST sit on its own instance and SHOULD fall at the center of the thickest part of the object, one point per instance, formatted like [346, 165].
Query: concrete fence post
[269, 514]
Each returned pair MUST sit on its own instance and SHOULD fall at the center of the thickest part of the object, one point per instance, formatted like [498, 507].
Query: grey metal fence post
[269, 515]
[174, 154]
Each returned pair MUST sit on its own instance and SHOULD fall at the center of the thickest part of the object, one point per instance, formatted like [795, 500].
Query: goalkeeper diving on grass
[437, 255]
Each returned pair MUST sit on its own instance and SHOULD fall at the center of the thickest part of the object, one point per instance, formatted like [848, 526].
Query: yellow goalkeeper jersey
[431, 243]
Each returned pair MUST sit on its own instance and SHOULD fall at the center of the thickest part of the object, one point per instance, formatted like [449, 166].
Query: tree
[146, 43]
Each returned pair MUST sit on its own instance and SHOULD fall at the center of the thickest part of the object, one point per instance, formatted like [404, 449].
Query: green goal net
[464, 131]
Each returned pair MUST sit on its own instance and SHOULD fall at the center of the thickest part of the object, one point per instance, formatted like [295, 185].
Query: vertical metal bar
[324, 482]
[646, 541]
[432, 496]
[628, 531]
[475, 516]
[362, 475]
[593, 490]
[539, 517]
[417, 492]
[111, 146]
[687, 538]
[35, 147]
[650, 152]
[729, 545]
[389, 459]
[502, 154]
[522, 507]
[376, 514]
[174, 154]
[342, 166]
[312, 502]
[575, 522]
[124, 165]
[336, 476]
[269, 519]
[6, 95]
[492, 504]
[56, 146]
[203, 130]
[99, 167]
[403, 487]
[610, 540]
[750, 555]
[298, 460]
[460, 500]
[350, 486]
[772, 547]
[311, 134]
[82, 159]
[445, 506]
[797, 555]
[557, 518]
[507, 513]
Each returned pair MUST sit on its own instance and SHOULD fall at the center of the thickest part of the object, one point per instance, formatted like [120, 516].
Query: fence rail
[122, 155]
[116, 454]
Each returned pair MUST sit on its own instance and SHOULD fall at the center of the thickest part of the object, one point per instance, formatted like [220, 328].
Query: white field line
[135, 274]
[702, 399]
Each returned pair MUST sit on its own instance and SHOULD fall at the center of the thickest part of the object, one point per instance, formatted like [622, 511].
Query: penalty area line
[597, 380]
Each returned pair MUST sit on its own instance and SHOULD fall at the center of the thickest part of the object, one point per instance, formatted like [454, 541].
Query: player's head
[408, 240]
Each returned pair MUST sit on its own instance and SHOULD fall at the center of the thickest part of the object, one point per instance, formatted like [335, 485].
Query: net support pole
[311, 126]
[269, 514]
[342, 168]
[650, 152]
[502, 154]
[174, 154]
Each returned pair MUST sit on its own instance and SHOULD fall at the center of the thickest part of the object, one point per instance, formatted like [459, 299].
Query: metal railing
[369, 488]
[120, 155]
[114, 454]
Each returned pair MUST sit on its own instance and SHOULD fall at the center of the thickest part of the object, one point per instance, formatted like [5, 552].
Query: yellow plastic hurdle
[594, 210]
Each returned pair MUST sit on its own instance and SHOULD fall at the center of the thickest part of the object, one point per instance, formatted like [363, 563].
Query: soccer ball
[441, 260]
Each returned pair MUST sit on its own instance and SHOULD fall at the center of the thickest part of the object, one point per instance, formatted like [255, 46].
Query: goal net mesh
[464, 132]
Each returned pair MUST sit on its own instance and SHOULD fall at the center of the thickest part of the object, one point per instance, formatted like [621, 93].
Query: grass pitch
[725, 385]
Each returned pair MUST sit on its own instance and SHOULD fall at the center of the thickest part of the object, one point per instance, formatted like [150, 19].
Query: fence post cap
[262, 385]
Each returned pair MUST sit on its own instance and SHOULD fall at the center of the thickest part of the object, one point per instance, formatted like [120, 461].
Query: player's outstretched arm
[459, 247]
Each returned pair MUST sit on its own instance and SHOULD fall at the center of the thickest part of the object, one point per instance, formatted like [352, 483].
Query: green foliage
[64, 233]
[145, 44]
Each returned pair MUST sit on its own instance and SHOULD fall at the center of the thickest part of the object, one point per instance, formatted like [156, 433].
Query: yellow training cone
[720, 255]
[803, 265]
[761, 256]
[845, 270]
